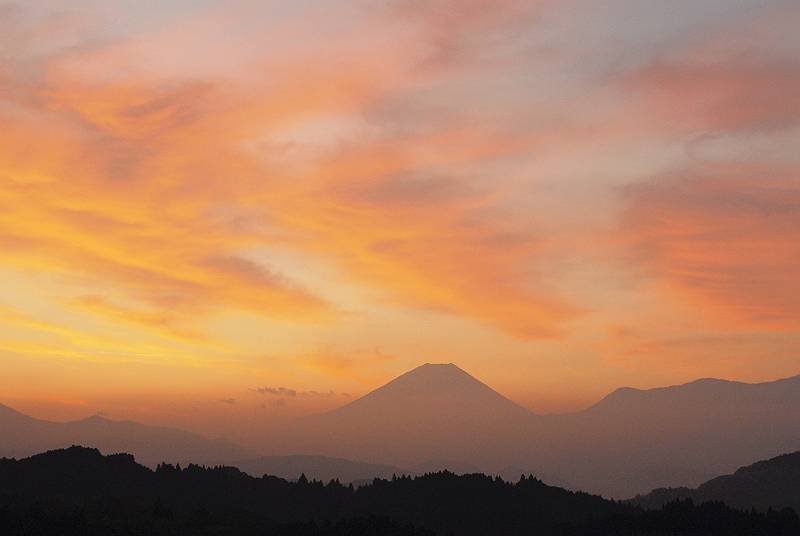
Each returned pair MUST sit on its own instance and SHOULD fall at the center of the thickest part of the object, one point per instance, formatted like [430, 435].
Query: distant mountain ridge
[773, 483]
[24, 436]
[630, 442]
[637, 440]
[707, 390]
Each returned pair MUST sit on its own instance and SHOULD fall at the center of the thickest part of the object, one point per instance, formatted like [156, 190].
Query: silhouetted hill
[79, 491]
[771, 483]
[455, 467]
[512, 473]
[24, 436]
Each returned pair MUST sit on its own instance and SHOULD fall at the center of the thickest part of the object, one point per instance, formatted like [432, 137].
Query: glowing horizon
[203, 200]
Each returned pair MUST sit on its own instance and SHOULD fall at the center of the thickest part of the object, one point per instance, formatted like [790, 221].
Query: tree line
[78, 491]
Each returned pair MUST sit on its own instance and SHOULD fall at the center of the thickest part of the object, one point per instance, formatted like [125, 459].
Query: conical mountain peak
[451, 366]
[436, 376]
[432, 387]
[434, 411]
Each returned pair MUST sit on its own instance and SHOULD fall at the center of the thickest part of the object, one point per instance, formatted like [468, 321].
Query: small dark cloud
[276, 391]
[285, 392]
[278, 402]
[326, 394]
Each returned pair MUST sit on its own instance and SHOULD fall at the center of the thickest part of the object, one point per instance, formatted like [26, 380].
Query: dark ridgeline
[773, 483]
[79, 491]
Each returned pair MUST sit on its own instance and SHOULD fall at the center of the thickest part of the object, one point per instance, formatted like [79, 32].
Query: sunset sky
[212, 211]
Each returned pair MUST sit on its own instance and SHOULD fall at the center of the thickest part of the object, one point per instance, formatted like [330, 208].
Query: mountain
[771, 483]
[635, 440]
[434, 412]
[79, 491]
[630, 442]
[24, 436]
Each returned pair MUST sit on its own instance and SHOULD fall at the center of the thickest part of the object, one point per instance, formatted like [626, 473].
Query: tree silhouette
[78, 491]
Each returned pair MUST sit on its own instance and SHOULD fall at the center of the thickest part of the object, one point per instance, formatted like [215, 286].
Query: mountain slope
[432, 412]
[770, 483]
[441, 387]
[636, 440]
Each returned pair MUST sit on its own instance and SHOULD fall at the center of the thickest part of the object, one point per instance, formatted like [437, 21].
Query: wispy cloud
[726, 236]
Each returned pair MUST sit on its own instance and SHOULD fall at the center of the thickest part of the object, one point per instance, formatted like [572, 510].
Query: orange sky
[198, 200]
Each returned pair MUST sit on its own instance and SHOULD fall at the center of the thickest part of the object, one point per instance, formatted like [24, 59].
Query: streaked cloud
[727, 236]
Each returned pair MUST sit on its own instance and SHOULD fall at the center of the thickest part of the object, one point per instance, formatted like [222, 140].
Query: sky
[223, 212]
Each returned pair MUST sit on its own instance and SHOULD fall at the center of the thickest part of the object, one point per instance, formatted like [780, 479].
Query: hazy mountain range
[636, 440]
[630, 442]
[438, 416]
[23, 435]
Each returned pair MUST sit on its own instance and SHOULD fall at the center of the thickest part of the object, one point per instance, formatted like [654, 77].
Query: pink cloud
[727, 238]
